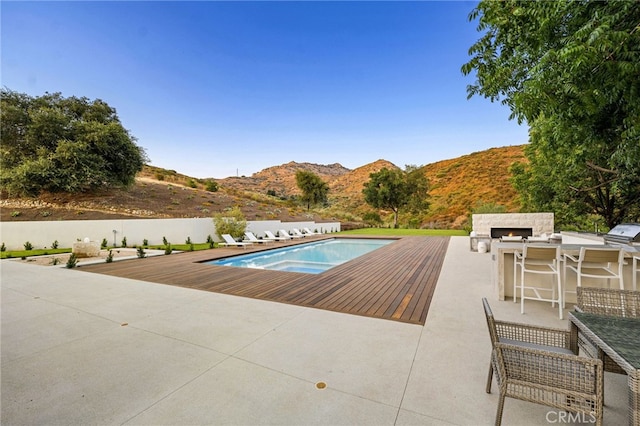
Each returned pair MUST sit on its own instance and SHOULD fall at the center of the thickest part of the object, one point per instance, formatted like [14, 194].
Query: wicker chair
[531, 336]
[608, 302]
[537, 364]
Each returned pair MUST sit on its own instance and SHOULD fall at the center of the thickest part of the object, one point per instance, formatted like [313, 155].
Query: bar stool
[540, 260]
[596, 263]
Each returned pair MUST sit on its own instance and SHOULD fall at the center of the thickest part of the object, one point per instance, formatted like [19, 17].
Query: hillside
[457, 185]
[282, 179]
[346, 190]
[461, 184]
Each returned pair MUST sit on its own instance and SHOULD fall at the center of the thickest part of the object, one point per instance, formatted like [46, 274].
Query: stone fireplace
[497, 225]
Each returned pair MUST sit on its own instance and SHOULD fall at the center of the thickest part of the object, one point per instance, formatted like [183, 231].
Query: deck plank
[395, 282]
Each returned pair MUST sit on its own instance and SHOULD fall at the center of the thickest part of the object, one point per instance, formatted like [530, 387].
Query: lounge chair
[229, 241]
[253, 239]
[270, 235]
[284, 233]
[308, 231]
[297, 233]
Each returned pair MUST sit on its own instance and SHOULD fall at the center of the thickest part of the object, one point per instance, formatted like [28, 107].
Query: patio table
[620, 339]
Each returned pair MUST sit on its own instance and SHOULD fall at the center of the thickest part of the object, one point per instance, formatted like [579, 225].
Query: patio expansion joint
[194, 378]
[406, 383]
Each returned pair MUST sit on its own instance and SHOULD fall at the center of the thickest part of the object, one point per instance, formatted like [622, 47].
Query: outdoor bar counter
[502, 271]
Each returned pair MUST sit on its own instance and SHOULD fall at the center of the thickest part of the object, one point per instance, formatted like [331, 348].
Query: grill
[625, 233]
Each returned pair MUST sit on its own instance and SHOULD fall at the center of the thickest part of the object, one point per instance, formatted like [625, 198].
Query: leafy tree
[571, 71]
[57, 144]
[417, 186]
[395, 189]
[314, 189]
[231, 222]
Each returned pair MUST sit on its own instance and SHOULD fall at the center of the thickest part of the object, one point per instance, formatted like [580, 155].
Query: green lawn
[388, 232]
[34, 252]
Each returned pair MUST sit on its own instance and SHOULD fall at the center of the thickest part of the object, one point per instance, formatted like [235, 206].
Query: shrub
[211, 186]
[164, 241]
[54, 245]
[104, 243]
[140, 253]
[210, 241]
[109, 258]
[124, 241]
[15, 214]
[55, 261]
[3, 247]
[372, 218]
[192, 184]
[231, 222]
[145, 242]
[167, 248]
[188, 240]
[28, 246]
[72, 262]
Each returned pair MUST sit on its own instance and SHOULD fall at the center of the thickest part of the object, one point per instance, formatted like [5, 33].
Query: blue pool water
[310, 258]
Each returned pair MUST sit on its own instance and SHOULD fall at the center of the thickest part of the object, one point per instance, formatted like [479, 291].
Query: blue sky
[215, 89]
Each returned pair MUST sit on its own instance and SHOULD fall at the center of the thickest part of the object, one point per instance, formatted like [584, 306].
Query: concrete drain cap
[321, 385]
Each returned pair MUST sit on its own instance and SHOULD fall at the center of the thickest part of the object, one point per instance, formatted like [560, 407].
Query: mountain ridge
[457, 185]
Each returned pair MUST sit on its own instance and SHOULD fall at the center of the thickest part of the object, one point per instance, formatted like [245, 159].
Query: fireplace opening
[511, 232]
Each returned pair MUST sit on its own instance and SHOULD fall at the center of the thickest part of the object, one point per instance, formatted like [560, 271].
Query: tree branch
[594, 166]
[593, 188]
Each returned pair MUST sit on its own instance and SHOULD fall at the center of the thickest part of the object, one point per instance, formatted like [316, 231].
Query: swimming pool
[310, 258]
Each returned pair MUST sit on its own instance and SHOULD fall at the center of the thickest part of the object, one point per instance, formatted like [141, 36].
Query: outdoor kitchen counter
[502, 272]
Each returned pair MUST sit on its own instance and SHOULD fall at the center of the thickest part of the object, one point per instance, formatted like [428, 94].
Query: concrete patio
[83, 348]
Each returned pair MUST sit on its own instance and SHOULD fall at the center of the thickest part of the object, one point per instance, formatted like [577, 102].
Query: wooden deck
[395, 282]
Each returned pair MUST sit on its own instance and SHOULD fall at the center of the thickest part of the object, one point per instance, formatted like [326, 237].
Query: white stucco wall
[43, 233]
